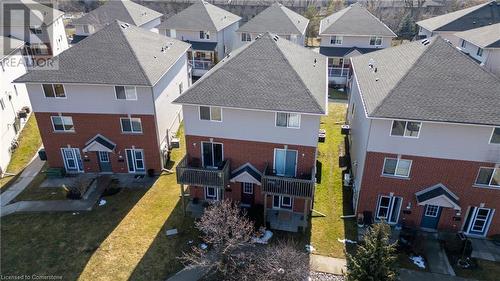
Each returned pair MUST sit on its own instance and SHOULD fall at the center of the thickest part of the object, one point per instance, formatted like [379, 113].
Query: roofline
[172, 65]
[363, 35]
[253, 109]
[476, 44]
[100, 23]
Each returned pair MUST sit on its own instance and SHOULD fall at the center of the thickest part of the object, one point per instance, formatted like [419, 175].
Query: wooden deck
[199, 176]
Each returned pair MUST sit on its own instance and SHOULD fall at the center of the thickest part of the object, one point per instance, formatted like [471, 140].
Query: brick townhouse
[251, 126]
[107, 106]
[425, 139]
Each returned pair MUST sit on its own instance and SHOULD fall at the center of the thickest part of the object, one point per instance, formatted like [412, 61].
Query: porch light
[408, 206]
[458, 213]
[85, 156]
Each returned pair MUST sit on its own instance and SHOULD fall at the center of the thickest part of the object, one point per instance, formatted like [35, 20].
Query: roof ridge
[343, 11]
[282, 7]
[275, 43]
[136, 59]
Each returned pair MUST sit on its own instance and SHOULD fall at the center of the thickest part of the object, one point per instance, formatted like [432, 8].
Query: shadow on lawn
[161, 259]
[60, 244]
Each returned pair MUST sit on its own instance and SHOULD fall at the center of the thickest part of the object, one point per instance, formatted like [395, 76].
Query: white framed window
[388, 208]
[282, 202]
[405, 128]
[431, 211]
[126, 92]
[488, 176]
[464, 43]
[288, 120]
[131, 125]
[2, 104]
[479, 220]
[495, 136]
[210, 113]
[204, 34]
[248, 188]
[103, 156]
[72, 160]
[479, 52]
[212, 154]
[86, 28]
[397, 167]
[54, 91]
[212, 193]
[135, 160]
[375, 41]
[285, 162]
[62, 123]
[336, 40]
[246, 37]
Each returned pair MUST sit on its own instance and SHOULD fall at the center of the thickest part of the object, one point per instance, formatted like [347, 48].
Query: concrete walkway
[327, 264]
[27, 175]
[485, 250]
[413, 275]
[60, 205]
[188, 274]
[436, 256]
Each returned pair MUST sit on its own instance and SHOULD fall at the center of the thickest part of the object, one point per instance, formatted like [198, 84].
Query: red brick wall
[258, 154]
[108, 125]
[457, 176]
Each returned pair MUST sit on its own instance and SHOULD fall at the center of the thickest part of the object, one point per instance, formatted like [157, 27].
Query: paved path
[22, 182]
[327, 264]
[188, 274]
[485, 250]
[436, 256]
[60, 205]
[413, 275]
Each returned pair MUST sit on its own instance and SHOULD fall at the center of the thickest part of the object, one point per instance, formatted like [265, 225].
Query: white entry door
[72, 160]
[135, 160]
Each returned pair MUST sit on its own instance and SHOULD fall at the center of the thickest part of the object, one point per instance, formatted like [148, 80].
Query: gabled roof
[9, 45]
[118, 54]
[269, 73]
[276, 19]
[484, 37]
[438, 195]
[122, 10]
[39, 14]
[470, 18]
[344, 51]
[354, 20]
[200, 16]
[428, 80]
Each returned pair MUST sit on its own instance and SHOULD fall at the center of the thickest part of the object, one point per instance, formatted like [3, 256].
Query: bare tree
[226, 230]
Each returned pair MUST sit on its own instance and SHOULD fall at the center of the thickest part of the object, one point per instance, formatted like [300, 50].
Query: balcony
[194, 174]
[338, 72]
[201, 64]
[302, 187]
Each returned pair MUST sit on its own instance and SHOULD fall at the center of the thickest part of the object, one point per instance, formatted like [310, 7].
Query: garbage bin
[42, 154]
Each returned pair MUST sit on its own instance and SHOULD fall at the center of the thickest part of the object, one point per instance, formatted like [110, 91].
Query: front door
[430, 219]
[478, 221]
[247, 197]
[104, 163]
[72, 160]
[285, 162]
[135, 160]
[212, 154]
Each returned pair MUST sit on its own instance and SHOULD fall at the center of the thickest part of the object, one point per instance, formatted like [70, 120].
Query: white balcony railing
[338, 72]
[202, 64]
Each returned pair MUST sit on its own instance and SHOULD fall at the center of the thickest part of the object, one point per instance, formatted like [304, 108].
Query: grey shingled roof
[200, 16]
[354, 20]
[122, 10]
[276, 19]
[266, 74]
[465, 19]
[118, 54]
[484, 37]
[428, 80]
[39, 13]
[8, 45]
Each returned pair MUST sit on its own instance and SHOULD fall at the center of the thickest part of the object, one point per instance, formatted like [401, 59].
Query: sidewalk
[327, 264]
[60, 205]
[436, 256]
[412, 275]
[23, 181]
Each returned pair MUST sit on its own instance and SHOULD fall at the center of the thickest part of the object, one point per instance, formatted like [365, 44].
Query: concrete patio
[485, 250]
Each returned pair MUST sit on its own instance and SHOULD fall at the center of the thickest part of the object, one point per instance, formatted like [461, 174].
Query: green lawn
[122, 240]
[336, 94]
[29, 142]
[331, 198]
[34, 192]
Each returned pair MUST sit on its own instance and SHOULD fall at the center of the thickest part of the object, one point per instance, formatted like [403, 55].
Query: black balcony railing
[302, 187]
[200, 176]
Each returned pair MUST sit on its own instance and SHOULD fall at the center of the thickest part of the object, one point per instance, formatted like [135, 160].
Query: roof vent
[315, 61]
[425, 42]
[125, 25]
[276, 37]
[371, 63]
[258, 36]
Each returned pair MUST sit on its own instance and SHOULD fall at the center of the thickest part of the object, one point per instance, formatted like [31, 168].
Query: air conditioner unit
[347, 179]
[175, 143]
[345, 129]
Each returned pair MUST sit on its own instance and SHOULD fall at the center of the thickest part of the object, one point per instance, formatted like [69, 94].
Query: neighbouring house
[107, 107]
[449, 24]
[209, 29]
[276, 19]
[251, 126]
[425, 139]
[483, 45]
[40, 26]
[122, 10]
[347, 33]
[13, 97]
